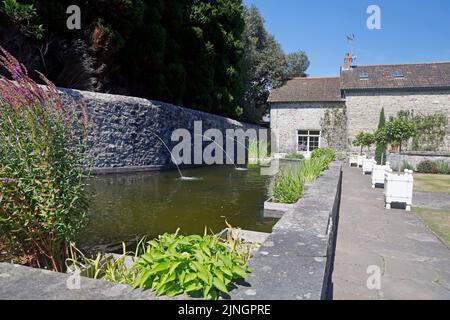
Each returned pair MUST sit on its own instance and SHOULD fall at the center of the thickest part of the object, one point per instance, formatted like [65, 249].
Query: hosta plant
[203, 266]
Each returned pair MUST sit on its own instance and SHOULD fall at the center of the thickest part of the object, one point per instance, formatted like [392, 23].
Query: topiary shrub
[428, 166]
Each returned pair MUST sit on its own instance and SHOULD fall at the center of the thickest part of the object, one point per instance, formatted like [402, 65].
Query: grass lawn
[432, 183]
[437, 220]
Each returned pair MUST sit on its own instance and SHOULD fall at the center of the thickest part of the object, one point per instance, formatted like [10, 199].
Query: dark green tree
[187, 52]
[296, 64]
[380, 152]
[264, 65]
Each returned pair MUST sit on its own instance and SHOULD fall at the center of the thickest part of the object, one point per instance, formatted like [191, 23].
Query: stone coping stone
[296, 261]
[423, 153]
[24, 283]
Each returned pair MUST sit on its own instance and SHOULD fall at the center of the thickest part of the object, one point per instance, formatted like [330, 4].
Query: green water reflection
[126, 207]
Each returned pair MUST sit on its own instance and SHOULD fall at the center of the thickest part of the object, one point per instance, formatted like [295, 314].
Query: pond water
[125, 207]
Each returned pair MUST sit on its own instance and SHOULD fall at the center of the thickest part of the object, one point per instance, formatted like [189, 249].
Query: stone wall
[288, 118]
[126, 129]
[364, 107]
[296, 261]
[414, 158]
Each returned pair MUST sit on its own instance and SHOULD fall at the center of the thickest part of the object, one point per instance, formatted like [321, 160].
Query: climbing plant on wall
[334, 127]
[431, 130]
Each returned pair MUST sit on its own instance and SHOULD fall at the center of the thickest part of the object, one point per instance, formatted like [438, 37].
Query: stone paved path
[413, 263]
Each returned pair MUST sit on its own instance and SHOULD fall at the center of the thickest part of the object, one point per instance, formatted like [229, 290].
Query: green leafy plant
[431, 129]
[42, 183]
[113, 268]
[327, 153]
[200, 266]
[24, 15]
[428, 166]
[289, 184]
[288, 187]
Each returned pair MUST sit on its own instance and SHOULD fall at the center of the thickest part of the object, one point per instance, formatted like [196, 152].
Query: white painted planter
[398, 188]
[361, 160]
[368, 165]
[378, 174]
[353, 159]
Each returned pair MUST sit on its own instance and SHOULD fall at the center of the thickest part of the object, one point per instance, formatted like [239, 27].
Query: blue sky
[412, 30]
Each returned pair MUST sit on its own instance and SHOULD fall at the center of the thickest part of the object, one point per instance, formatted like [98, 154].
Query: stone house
[299, 108]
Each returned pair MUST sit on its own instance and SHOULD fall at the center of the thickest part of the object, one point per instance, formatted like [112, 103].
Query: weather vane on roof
[350, 41]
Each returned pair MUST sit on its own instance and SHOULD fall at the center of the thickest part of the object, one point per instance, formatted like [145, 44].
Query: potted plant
[398, 131]
[394, 147]
[363, 139]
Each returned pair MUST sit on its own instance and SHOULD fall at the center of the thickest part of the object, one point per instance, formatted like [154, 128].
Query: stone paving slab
[414, 264]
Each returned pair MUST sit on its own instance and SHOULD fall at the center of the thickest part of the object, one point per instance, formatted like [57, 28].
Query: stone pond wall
[296, 261]
[125, 127]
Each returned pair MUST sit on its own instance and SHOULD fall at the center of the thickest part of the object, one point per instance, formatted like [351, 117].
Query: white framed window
[308, 140]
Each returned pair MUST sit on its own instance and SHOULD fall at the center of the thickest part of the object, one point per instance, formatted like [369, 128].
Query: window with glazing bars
[308, 140]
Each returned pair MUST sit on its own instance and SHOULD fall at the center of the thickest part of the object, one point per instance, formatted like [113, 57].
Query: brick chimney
[347, 62]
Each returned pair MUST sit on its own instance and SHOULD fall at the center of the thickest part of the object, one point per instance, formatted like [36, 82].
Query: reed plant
[288, 187]
[289, 184]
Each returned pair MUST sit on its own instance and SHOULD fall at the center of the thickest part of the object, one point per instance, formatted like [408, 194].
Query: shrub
[199, 266]
[296, 156]
[443, 167]
[428, 166]
[43, 203]
[288, 188]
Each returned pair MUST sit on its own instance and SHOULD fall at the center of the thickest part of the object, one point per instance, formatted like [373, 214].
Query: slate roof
[415, 76]
[325, 89]
[434, 75]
